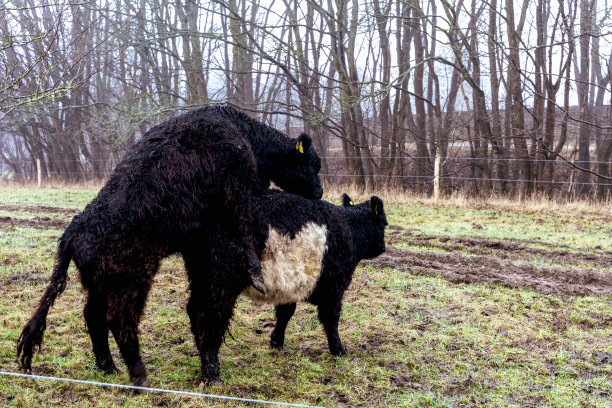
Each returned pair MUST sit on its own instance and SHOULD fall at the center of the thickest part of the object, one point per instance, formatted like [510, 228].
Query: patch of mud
[36, 222]
[458, 268]
[30, 278]
[507, 249]
[9, 259]
[7, 222]
[40, 208]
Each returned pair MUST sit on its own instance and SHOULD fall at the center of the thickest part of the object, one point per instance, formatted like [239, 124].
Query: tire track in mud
[506, 249]
[489, 264]
[36, 222]
[42, 222]
[39, 209]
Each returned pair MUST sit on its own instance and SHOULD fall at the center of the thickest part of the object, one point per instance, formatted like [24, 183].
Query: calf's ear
[303, 143]
[346, 200]
[377, 206]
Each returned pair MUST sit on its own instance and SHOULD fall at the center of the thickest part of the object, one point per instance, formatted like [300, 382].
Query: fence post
[39, 171]
[437, 178]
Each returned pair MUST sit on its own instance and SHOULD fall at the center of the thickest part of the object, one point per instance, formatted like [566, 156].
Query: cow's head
[372, 222]
[297, 171]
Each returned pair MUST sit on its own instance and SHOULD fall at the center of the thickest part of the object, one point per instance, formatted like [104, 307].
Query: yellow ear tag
[351, 203]
[299, 147]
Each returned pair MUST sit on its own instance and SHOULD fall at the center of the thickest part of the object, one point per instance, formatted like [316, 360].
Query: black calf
[309, 251]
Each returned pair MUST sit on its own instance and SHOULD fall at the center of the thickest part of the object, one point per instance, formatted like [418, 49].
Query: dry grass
[538, 203]
[534, 204]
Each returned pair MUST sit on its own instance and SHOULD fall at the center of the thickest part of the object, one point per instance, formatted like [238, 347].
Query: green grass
[52, 197]
[413, 340]
[581, 234]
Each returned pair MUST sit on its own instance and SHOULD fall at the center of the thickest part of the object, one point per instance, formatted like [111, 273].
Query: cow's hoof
[338, 351]
[111, 370]
[107, 367]
[276, 344]
[141, 382]
[207, 382]
[257, 279]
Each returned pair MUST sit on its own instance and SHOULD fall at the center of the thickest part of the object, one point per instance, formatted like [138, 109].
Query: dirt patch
[458, 268]
[36, 222]
[29, 278]
[9, 259]
[39, 209]
[507, 249]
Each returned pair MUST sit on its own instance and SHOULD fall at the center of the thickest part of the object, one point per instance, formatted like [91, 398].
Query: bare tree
[381, 85]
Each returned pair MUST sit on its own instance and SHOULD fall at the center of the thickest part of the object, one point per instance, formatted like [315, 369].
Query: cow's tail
[32, 333]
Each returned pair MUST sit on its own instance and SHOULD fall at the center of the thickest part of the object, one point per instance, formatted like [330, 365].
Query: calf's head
[298, 171]
[369, 228]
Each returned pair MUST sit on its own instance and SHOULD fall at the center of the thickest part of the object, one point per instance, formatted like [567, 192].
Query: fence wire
[88, 172]
[157, 390]
[447, 158]
[429, 179]
[424, 179]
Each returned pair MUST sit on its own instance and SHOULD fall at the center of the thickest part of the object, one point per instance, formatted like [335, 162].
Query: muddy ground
[481, 260]
[457, 259]
[40, 209]
[64, 215]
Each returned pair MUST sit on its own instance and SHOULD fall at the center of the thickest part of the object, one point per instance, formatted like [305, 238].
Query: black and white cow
[309, 251]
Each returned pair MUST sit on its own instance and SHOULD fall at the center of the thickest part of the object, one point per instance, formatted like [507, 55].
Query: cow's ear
[303, 143]
[377, 206]
[346, 201]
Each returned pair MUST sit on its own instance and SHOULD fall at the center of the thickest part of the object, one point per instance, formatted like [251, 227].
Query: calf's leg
[283, 314]
[329, 316]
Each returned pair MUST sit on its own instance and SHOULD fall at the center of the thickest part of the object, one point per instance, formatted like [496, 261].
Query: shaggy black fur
[296, 172]
[355, 232]
[183, 176]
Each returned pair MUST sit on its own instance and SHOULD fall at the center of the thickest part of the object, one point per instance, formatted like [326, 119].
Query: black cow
[184, 175]
[309, 251]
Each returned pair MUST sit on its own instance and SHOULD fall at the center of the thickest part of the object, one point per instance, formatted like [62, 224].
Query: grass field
[474, 304]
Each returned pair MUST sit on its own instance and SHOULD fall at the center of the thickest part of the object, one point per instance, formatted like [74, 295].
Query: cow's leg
[95, 318]
[210, 308]
[283, 314]
[125, 307]
[329, 315]
[216, 264]
[240, 207]
[240, 183]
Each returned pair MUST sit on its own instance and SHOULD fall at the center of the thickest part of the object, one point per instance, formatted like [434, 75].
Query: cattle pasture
[474, 304]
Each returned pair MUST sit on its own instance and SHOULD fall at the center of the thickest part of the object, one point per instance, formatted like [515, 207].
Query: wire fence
[429, 179]
[451, 158]
[89, 171]
[448, 158]
[154, 390]
[422, 179]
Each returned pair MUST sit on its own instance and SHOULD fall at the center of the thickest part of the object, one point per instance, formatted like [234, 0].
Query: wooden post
[39, 171]
[437, 178]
